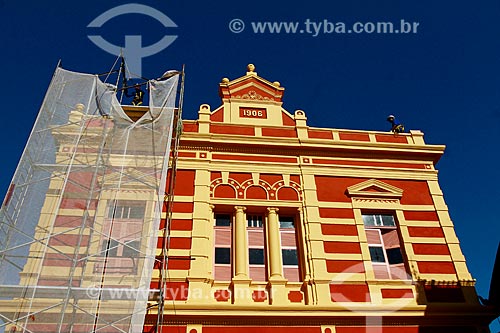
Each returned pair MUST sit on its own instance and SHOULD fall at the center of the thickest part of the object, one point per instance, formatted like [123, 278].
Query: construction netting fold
[79, 224]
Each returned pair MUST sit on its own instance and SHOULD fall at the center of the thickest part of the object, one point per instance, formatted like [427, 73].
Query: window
[287, 222]
[256, 256]
[109, 248]
[254, 221]
[289, 257]
[258, 265]
[256, 247]
[131, 249]
[120, 245]
[223, 255]
[127, 209]
[222, 220]
[377, 254]
[385, 246]
[379, 220]
[223, 242]
[114, 248]
[394, 256]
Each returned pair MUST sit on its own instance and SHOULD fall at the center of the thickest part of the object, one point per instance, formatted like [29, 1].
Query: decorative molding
[253, 95]
[382, 190]
[271, 190]
[375, 200]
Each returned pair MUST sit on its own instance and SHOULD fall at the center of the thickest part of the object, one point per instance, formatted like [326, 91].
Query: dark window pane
[287, 222]
[289, 257]
[377, 254]
[394, 256]
[136, 212]
[222, 255]
[131, 249]
[114, 211]
[109, 246]
[254, 221]
[256, 256]
[223, 220]
[387, 220]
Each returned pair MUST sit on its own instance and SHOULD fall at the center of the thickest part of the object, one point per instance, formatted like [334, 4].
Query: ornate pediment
[251, 87]
[373, 188]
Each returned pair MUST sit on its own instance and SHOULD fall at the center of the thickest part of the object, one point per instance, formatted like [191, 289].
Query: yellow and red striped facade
[270, 230]
[251, 157]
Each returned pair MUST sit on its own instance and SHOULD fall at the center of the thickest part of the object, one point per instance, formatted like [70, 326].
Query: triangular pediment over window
[374, 188]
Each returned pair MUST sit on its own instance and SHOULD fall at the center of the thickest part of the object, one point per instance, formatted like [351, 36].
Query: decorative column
[240, 240]
[277, 283]
[273, 233]
[240, 285]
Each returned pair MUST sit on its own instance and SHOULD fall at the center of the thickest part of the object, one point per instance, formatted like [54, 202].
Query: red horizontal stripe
[317, 134]
[339, 229]
[341, 247]
[397, 293]
[354, 136]
[345, 266]
[182, 207]
[231, 129]
[279, 132]
[426, 232]
[437, 249]
[254, 158]
[436, 267]
[369, 163]
[421, 216]
[391, 138]
[345, 213]
[189, 127]
[186, 154]
[349, 293]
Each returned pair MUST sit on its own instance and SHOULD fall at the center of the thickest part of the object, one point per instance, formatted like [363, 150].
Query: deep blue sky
[444, 80]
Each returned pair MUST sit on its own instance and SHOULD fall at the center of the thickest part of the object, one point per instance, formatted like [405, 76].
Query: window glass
[287, 222]
[222, 255]
[124, 210]
[371, 220]
[394, 256]
[256, 256]
[131, 249]
[289, 257]
[111, 247]
[377, 254]
[254, 221]
[387, 220]
[222, 220]
[136, 212]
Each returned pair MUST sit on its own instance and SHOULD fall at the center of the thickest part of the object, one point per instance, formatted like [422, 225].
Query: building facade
[282, 227]
[270, 225]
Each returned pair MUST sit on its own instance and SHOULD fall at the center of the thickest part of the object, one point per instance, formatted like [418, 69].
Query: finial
[276, 83]
[251, 68]
[225, 80]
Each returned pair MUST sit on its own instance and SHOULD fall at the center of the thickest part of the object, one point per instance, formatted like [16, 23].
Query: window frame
[387, 228]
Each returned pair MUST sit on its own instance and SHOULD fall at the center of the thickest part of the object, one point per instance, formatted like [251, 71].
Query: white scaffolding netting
[79, 224]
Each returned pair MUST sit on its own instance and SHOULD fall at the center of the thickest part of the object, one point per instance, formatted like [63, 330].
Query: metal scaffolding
[79, 224]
